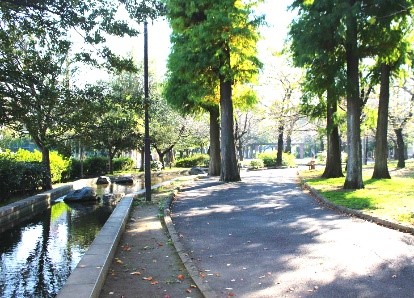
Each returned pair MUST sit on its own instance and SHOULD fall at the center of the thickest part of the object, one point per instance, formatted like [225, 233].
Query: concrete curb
[192, 270]
[88, 278]
[15, 213]
[379, 221]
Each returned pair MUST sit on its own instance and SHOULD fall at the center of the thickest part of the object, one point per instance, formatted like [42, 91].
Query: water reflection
[37, 258]
[103, 189]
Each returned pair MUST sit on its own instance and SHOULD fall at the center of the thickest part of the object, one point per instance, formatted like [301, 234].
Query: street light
[147, 149]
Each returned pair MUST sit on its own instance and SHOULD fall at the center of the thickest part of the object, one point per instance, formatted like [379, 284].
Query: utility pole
[147, 149]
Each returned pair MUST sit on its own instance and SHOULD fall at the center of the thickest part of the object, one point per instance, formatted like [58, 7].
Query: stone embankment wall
[15, 213]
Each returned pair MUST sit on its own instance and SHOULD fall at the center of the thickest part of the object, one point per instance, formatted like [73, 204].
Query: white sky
[277, 17]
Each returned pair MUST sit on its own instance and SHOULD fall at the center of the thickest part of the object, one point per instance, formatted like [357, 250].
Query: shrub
[156, 165]
[321, 156]
[32, 176]
[289, 160]
[19, 176]
[58, 166]
[95, 166]
[269, 159]
[123, 164]
[58, 163]
[193, 161]
[74, 170]
[256, 164]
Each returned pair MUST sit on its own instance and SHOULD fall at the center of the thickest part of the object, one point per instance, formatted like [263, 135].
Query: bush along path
[146, 263]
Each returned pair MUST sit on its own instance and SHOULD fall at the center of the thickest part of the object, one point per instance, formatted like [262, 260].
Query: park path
[265, 237]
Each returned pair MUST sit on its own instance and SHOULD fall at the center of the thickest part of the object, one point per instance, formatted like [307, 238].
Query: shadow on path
[264, 237]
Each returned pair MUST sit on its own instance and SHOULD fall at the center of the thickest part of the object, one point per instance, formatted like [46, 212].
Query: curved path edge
[352, 212]
[192, 270]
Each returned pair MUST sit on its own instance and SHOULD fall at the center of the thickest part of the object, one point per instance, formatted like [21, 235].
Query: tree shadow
[264, 237]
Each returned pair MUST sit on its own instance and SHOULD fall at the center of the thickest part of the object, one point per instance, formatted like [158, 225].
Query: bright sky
[277, 17]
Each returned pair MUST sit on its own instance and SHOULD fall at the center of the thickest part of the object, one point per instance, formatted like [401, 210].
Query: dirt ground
[146, 263]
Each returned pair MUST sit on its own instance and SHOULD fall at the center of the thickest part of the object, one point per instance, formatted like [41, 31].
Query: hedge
[269, 159]
[193, 161]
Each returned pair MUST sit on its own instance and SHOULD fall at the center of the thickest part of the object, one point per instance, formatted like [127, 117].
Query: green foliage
[156, 165]
[59, 165]
[123, 164]
[117, 122]
[193, 161]
[19, 176]
[95, 166]
[288, 160]
[269, 159]
[256, 164]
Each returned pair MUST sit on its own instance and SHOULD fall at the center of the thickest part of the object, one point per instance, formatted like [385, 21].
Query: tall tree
[323, 59]
[167, 127]
[34, 96]
[193, 95]
[401, 113]
[222, 36]
[388, 19]
[34, 49]
[116, 125]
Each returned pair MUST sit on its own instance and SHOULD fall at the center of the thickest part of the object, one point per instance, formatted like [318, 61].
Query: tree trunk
[288, 148]
[400, 148]
[47, 182]
[381, 144]
[161, 157]
[279, 156]
[353, 178]
[141, 167]
[333, 168]
[229, 167]
[215, 159]
[111, 161]
[240, 150]
[81, 160]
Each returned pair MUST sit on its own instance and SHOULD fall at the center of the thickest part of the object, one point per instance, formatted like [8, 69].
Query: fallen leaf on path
[193, 286]
[119, 261]
[148, 278]
[126, 247]
[188, 290]
[231, 294]
[154, 282]
[180, 277]
[135, 273]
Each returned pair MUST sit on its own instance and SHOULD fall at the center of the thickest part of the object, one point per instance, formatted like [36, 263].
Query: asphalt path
[266, 237]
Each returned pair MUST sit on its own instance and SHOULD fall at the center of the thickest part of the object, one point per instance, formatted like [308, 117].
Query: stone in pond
[81, 195]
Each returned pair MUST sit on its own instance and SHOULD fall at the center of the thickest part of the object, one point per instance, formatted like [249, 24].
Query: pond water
[38, 256]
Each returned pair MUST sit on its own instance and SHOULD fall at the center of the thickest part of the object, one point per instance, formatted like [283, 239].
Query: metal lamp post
[147, 149]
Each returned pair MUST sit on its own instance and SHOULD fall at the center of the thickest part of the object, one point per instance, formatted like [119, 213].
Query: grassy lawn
[391, 199]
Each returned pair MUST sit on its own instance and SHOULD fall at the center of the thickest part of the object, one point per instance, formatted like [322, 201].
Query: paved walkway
[265, 237]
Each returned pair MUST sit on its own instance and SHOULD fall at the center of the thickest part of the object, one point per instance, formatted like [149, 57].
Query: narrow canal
[38, 256]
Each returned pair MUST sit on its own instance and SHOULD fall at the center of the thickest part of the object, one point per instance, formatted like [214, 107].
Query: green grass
[390, 199]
